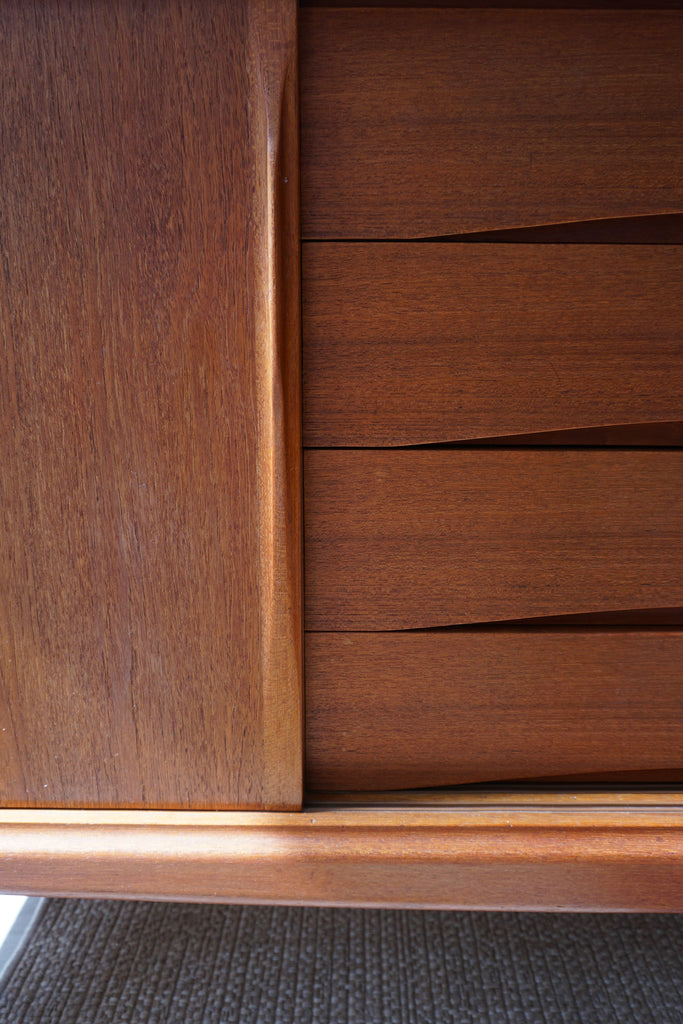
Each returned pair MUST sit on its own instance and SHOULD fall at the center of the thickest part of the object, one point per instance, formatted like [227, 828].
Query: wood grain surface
[149, 431]
[621, 854]
[663, 229]
[664, 434]
[523, 802]
[412, 539]
[541, 4]
[419, 123]
[672, 615]
[422, 343]
[411, 710]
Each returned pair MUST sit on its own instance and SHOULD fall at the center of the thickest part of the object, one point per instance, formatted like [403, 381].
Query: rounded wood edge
[599, 858]
[274, 71]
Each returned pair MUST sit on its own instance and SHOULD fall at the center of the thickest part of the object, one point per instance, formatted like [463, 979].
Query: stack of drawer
[493, 395]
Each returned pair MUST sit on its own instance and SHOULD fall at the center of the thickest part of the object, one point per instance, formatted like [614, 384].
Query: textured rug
[101, 961]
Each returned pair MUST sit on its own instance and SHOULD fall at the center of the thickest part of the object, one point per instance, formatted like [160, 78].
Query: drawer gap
[659, 229]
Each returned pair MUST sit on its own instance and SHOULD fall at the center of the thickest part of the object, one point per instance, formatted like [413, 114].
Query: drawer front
[414, 539]
[422, 123]
[489, 613]
[401, 710]
[459, 341]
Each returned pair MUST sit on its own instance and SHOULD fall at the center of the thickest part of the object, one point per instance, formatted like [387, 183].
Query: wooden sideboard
[488, 381]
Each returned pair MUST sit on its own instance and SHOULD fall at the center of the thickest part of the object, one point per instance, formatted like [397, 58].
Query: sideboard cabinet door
[149, 389]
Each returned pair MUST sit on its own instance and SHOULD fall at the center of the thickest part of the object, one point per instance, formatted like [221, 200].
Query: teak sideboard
[341, 453]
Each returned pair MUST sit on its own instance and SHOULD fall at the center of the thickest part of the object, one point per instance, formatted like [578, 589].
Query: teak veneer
[149, 406]
[437, 708]
[424, 539]
[151, 540]
[521, 853]
[428, 122]
[455, 342]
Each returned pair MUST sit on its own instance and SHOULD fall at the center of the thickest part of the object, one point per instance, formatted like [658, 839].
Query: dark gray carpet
[101, 961]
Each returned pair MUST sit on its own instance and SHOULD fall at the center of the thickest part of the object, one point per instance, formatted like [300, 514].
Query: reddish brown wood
[540, 4]
[666, 229]
[623, 855]
[650, 617]
[406, 539]
[523, 801]
[418, 123]
[660, 435]
[407, 710]
[653, 777]
[413, 343]
[149, 431]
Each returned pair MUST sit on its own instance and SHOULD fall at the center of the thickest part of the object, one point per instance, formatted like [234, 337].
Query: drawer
[462, 341]
[423, 123]
[419, 539]
[402, 710]
[472, 183]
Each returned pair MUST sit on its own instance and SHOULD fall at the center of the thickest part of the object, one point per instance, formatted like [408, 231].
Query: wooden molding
[492, 851]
